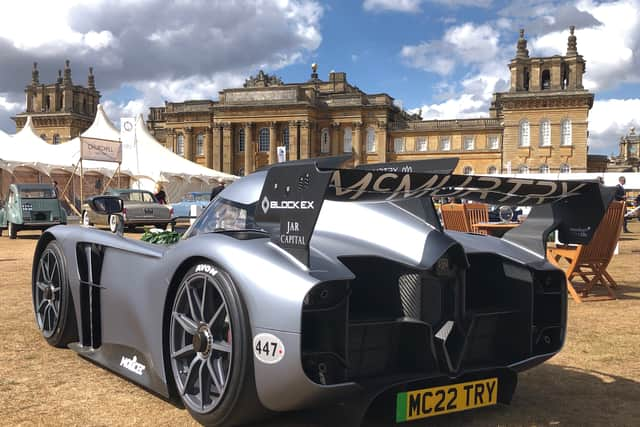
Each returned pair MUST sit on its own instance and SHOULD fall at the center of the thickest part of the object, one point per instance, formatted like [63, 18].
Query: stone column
[208, 148]
[188, 143]
[314, 148]
[304, 139]
[273, 152]
[357, 144]
[170, 141]
[293, 140]
[335, 139]
[249, 147]
[227, 148]
[381, 141]
[216, 147]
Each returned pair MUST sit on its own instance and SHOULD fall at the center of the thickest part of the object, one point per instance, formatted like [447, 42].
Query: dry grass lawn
[594, 381]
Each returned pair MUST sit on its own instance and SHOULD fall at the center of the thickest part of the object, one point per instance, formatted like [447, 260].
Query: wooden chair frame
[454, 217]
[589, 262]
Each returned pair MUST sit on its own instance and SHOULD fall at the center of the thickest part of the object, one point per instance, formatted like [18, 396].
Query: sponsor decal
[132, 364]
[580, 232]
[268, 348]
[206, 268]
[267, 204]
[291, 236]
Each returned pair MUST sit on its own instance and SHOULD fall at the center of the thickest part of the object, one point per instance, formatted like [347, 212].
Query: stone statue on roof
[262, 79]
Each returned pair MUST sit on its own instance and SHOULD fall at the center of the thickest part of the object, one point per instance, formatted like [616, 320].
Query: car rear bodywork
[32, 207]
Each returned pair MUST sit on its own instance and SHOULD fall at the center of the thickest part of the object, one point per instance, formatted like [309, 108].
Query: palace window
[56, 139]
[468, 143]
[200, 145]
[565, 129]
[494, 142]
[492, 170]
[325, 141]
[565, 168]
[421, 143]
[523, 139]
[43, 137]
[285, 137]
[346, 144]
[544, 168]
[545, 133]
[263, 139]
[523, 169]
[398, 145]
[546, 80]
[445, 143]
[180, 144]
[241, 140]
[468, 170]
[371, 140]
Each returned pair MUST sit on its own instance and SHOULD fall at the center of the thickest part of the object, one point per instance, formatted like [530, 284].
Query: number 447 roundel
[268, 348]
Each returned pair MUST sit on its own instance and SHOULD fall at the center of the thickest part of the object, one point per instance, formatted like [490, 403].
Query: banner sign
[282, 153]
[128, 131]
[102, 150]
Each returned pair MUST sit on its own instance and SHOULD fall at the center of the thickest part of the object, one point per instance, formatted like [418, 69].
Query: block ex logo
[132, 365]
[266, 204]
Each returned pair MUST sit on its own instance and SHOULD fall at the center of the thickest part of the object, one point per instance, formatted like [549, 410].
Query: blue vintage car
[183, 208]
[30, 207]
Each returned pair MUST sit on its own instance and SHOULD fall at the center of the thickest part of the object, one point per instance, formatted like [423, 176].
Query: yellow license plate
[428, 402]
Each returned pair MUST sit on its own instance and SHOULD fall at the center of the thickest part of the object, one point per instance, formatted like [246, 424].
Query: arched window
[263, 139]
[545, 82]
[346, 144]
[325, 141]
[56, 139]
[180, 144]
[43, 137]
[285, 137]
[523, 169]
[545, 133]
[544, 168]
[371, 140]
[565, 168]
[523, 139]
[467, 170]
[565, 132]
[200, 145]
[240, 142]
[492, 170]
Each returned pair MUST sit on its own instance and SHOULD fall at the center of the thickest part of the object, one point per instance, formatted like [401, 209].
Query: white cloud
[412, 6]
[609, 120]
[462, 107]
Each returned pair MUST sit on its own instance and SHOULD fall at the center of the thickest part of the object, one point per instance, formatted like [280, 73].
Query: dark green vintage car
[30, 207]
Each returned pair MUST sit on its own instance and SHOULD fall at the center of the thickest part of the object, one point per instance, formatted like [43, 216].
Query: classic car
[183, 207]
[140, 208]
[308, 284]
[30, 207]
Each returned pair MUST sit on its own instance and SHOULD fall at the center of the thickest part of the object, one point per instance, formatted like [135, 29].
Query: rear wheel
[85, 218]
[13, 230]
[209, 345]
[52, 303]
[113, 223]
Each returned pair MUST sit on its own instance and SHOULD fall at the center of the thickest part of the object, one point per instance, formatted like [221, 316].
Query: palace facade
[539, 125]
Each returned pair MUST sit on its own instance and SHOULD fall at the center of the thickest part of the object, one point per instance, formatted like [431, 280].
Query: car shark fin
[293, 194]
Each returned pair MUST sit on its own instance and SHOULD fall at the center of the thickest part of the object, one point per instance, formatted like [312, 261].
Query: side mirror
[106, 204]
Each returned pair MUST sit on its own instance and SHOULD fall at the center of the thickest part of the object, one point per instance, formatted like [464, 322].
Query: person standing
[621, 195]
[217, 190]
[160, 195]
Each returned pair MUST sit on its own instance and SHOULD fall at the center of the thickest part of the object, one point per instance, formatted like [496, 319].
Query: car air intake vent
[410, 294]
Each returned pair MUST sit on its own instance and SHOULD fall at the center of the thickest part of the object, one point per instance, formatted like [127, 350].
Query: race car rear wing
[293, 194]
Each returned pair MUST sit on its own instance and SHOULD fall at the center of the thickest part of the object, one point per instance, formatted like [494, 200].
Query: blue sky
[444, 58]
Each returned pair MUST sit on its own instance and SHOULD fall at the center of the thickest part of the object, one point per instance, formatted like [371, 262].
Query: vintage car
[30, 207]
[140, 208]
[307, 284]
[183, 207]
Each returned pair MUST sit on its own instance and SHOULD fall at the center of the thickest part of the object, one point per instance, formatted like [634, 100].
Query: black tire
[52, 303]
[85, 218]
[218, 350]
[13, 230]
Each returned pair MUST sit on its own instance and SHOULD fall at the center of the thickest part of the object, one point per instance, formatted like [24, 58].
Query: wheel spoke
[46, 321]
[190, 375]
[204, 384]
[221, 374]
[45, 270]
[183, 352]
[216, 381]
[54, 309]
[54, 269]
[222, 346]
[204, 299]
[41, 306]
[217, 313]
[187, 324]
[42, 286]
[190, 299]
[199, 303]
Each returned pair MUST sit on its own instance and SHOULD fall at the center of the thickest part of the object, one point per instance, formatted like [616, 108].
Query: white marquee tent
[144, 159]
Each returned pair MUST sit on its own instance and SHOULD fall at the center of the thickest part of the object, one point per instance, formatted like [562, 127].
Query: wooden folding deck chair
[477, 212]
[454, 217]
[589, 262]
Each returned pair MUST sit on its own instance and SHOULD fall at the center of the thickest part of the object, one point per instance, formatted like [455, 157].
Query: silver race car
[305, 284]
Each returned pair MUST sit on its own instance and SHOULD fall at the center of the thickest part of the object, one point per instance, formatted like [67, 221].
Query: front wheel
[113, 223]
[210, 351]
[52, 302]
[85, 219]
